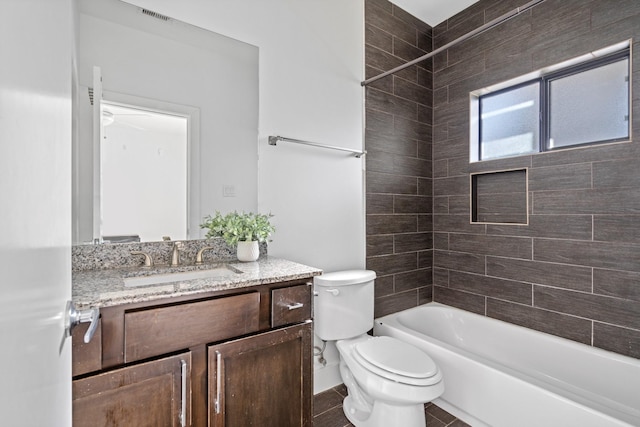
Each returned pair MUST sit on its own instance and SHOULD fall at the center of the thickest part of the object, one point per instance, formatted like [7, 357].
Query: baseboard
[326, 377]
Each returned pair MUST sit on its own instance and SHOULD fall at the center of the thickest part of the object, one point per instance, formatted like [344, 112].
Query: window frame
[544, 78]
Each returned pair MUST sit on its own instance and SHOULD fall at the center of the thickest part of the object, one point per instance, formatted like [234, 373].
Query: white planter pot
[248, 251]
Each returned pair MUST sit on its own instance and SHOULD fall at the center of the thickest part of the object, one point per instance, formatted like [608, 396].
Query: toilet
[388, 380]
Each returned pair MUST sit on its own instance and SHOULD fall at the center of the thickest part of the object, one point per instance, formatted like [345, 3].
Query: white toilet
[388, 380]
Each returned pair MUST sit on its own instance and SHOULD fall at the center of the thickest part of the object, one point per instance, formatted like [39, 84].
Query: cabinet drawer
[162, 330]
[86, 357]
[290, 305]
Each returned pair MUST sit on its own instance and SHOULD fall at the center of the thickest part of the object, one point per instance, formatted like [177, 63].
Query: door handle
[73, 317]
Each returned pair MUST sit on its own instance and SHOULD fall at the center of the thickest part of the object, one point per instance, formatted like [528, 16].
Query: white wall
[311, 64]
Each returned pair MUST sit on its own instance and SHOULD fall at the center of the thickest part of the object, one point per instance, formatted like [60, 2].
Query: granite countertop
[105, 288]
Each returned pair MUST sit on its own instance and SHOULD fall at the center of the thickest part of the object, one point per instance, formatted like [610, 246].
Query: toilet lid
[396, 360]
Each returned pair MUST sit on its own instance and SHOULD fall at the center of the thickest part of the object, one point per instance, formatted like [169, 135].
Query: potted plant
[244, 230]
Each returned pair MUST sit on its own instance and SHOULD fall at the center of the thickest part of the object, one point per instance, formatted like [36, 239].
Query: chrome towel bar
[274, 139]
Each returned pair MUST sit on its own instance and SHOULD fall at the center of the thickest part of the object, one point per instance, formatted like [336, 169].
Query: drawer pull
[295, 306]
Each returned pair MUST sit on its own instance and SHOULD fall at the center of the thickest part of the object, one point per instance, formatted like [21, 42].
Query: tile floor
[327, 411]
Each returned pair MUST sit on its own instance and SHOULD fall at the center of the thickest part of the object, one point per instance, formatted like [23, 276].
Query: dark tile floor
[327, 411]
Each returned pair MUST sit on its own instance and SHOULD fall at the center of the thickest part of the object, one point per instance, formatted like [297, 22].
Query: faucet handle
[148, 261]
[199, 254]
[175, 253]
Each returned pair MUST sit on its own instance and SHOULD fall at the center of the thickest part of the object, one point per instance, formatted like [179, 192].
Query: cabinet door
[263, 380]
[156, 393]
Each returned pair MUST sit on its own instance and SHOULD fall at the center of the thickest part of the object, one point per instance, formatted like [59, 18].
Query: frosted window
[590, 106]
[509, 122]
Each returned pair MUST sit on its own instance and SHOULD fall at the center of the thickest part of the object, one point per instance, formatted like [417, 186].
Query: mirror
[158, 65]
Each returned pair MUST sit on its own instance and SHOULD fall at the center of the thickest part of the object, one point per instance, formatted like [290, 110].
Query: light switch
[229, 190]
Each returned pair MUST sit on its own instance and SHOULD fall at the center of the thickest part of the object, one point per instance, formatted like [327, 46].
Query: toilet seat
[397, 361]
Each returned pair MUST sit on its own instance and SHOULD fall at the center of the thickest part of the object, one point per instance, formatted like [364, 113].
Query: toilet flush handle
[334, 292]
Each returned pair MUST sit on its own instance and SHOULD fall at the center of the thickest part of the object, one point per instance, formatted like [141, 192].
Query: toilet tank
[343, 305]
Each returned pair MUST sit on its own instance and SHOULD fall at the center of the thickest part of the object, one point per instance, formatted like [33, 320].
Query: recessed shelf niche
[500, 197]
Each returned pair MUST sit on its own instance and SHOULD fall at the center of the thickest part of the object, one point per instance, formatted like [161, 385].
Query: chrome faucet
[175, 253]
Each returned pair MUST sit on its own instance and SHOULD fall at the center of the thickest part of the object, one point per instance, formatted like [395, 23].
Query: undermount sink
[157, 279]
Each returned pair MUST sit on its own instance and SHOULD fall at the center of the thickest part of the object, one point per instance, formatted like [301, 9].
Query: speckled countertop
[104, 288]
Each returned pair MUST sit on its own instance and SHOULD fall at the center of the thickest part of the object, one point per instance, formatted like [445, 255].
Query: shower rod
[493, 23]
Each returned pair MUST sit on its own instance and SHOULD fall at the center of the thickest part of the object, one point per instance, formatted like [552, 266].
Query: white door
[35, 211]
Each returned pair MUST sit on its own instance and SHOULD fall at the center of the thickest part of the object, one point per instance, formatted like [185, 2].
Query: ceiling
[433, 12]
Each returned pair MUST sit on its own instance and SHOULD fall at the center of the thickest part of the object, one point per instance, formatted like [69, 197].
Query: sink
[157, 279]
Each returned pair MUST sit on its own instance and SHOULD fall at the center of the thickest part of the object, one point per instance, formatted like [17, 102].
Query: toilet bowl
[388, 381]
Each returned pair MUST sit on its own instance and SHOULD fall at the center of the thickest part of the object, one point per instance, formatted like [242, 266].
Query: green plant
[234, 227]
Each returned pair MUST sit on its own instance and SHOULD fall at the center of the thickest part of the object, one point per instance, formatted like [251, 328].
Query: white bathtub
[502, 375]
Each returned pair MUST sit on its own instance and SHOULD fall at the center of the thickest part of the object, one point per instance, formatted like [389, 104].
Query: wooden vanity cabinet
[246, 355]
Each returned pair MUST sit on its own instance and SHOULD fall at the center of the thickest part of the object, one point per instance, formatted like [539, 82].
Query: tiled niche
[499, 197]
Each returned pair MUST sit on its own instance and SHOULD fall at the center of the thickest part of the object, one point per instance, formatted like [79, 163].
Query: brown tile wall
[574, 271]
[398, 143]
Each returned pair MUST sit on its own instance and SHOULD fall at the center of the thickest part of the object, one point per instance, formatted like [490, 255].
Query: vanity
[232, 349]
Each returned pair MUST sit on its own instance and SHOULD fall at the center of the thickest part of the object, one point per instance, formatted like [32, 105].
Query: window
[589, 106]
[509, 123]
[585, 102]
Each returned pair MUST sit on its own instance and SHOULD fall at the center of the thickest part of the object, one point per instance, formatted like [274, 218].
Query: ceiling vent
[156, 15]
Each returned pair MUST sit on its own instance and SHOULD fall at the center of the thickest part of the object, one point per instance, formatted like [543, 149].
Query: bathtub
[502, 375]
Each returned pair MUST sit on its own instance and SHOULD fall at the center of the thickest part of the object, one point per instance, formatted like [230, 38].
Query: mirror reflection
[136, 144]
[157, 66]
